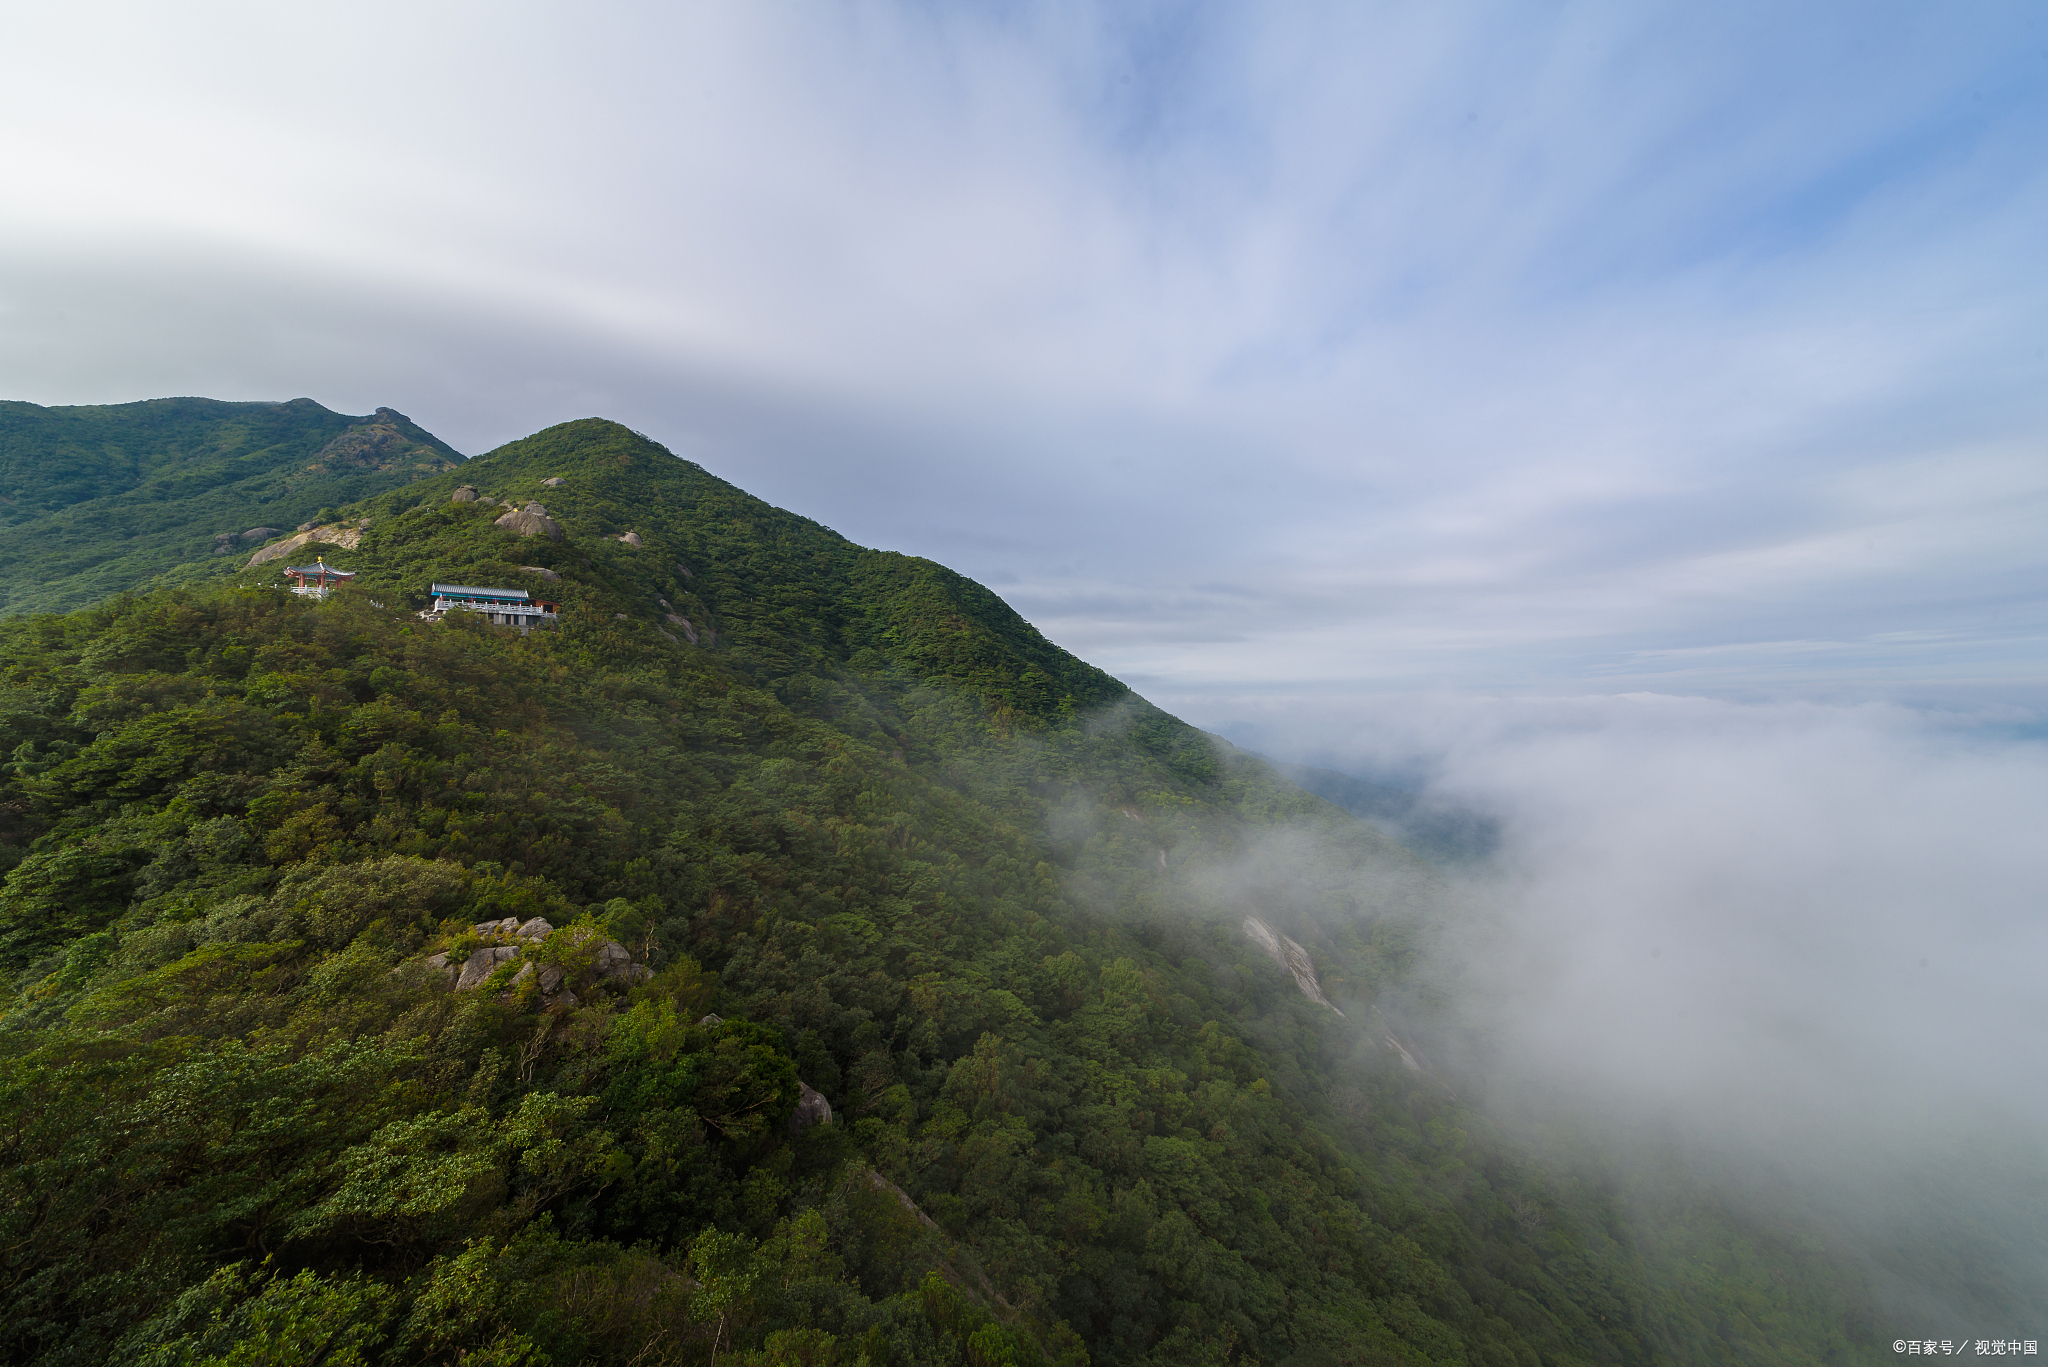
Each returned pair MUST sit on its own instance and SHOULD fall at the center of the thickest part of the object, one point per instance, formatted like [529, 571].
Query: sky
[1629, 419]
[1312, 351]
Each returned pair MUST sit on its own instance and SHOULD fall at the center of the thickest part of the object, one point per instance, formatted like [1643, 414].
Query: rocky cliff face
[1290, 956]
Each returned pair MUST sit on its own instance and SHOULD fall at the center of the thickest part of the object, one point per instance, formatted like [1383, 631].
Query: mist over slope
[872, 835]
[1795, 947]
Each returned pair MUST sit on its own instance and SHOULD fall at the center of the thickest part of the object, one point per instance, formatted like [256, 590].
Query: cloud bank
[1803, 944]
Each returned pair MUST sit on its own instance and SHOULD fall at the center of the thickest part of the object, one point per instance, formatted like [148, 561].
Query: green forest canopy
[874, 835]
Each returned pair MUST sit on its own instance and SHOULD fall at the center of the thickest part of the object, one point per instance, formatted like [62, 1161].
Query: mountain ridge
[103, 499]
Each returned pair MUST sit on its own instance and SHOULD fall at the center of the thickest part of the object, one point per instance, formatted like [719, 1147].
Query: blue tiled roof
[488, 595]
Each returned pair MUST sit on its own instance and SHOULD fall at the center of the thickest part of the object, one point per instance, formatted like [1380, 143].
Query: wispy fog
[1807, 945]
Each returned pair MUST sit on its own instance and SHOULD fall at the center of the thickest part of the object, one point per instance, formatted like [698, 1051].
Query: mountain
[790, 957]
[99, 500]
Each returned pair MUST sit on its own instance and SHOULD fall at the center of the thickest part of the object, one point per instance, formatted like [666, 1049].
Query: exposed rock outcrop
[543, 572]
[1407, 1058]
[335, 534]
[550, 977]
[555, 483]
[684, 623]
[512, 928]
[532, 520]
[811, 1109]
[1290, 956]
[614, 962]
[466, 494]
[509, 939]
[481, 963]
[630, 538]
[883, 1184]
[380, 443]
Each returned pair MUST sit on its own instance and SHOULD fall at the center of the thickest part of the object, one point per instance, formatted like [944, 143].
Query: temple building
[504, 607]
[316, 580]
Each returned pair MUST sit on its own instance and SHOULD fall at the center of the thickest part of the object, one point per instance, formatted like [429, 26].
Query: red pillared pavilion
[316, 580]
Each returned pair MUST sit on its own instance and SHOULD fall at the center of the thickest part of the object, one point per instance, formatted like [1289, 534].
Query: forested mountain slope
[97, 500]
[874, 835]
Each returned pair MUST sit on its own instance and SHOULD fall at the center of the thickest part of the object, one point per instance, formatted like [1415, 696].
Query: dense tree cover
[99, 499]
[900, 846]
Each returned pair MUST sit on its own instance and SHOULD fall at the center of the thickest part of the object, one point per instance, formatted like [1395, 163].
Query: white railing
[525, 616]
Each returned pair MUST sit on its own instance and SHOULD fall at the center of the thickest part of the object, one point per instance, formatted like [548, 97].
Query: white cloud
[1806, 942]
[1700, 877]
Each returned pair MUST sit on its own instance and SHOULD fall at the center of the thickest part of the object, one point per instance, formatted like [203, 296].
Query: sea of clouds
[1806, 943]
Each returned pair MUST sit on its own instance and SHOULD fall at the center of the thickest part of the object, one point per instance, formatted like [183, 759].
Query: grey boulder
[811, 1109]
[550, 978]
[512, 928]
[614, 963]
[509, 937]
[481, 964]
[532, 520]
